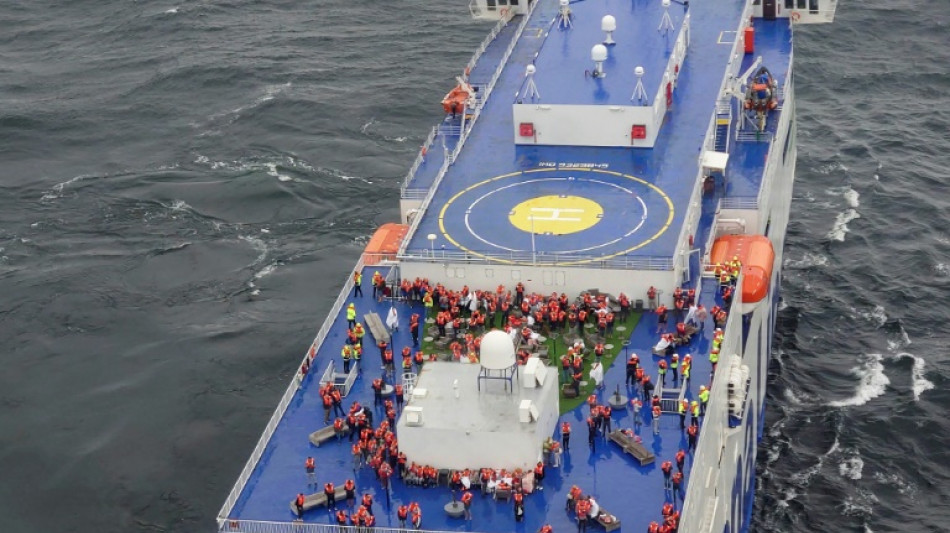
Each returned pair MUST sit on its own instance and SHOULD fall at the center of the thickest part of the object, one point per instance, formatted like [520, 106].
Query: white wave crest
[808, 260]
[804, 477]
[840, 227]
[267, 270]
[878, 315]
[257, 244]
[919, 383]
[57, 190]
[851, 467]
[172, 11]
[873, 381]
[942, 269]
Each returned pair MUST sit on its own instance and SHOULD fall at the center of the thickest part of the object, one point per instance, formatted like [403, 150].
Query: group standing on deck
[460, 317]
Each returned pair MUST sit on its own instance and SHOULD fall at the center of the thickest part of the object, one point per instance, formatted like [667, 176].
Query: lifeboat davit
[757, 257]
[456, 99]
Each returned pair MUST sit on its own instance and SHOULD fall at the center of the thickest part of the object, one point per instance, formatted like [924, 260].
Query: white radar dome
[529, 70]
[497, 350]
[666, 3]
[638, 71]
[564, 3]
[608, 23]
[598, 53]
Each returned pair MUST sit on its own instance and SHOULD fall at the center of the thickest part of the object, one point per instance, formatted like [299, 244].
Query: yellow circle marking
[556, 215]
[666, 223]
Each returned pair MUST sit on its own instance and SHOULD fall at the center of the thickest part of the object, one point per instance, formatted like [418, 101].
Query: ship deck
[491, 174]
[643, 193]
[631, 492]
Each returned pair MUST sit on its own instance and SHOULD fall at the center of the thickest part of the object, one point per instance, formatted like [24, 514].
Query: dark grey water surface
[185, 186]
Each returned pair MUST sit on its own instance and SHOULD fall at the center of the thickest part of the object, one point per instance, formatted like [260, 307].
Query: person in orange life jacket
[546, 528]
[391, 416]
[369, 521]
[414, 328]
[383, 346]
[519, 505]
[402, 513]
[632, 364]
[647, 387]
[667, 510]
[398, 392]
[656, 419]
[418, 359]
[667, 468]
[367, 502]
[327, 407]
[662, 371]
[467, 504]
[677, 485]
[680, 460]
[330, 492]
[341, 518]
[388, 361]
[539, 475]
[661, 320]
[582, 508]
[653, 528]
[298, 503]
[605, 412]
[310, 466]
[350, 487]
[591, 431]
[377, 392]
[691, 433]
[566, 435]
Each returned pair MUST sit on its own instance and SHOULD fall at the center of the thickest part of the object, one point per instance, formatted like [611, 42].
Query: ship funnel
[598, 54]
[609, 25]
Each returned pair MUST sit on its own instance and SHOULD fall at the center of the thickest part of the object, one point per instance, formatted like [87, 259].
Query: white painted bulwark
[585, 125]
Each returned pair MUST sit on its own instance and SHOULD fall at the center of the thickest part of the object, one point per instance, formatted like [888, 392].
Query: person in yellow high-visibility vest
[694, 410]
[351, 315]
[703, 399]
[357, 284]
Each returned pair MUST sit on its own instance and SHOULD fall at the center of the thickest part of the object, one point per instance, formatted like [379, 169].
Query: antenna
[530, 89]
[666, 23]
[608, 24]
[598, 54]
[564, 14]
[639, 94]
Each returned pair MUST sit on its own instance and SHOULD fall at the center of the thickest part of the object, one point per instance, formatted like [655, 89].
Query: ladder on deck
[723, 124]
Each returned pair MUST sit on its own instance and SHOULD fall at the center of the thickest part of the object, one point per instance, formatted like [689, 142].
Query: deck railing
[486, 42]
[420, 158]
[285, 399]
[461, 142]
[259, 526]
[540, 259]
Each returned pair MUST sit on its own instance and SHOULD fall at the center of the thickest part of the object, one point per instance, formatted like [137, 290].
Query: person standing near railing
[357, 284]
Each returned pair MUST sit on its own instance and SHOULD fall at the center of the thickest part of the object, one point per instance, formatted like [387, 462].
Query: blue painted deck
[634, 493]
[773, 41]
[670, 167]
[566, 53]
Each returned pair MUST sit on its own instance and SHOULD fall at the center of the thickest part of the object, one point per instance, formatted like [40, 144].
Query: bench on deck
[607, 521]
[377, 329]
[324, 434]
[318, 499]
[632, 447]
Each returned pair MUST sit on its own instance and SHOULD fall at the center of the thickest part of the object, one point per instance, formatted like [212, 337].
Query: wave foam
[873, 381]
[851, 467]
[920, 384]
[807, 261]
[840, 227]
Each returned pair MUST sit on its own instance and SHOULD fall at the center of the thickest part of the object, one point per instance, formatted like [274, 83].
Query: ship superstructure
[638, 148]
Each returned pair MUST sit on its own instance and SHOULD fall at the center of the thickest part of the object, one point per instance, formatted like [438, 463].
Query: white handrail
[260, 526]
[286, 398]
[592, 261]
[420, 158]
[458, 147]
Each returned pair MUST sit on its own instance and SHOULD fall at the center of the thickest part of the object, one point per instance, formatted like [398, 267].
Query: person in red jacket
[467, 504]
[299, 503]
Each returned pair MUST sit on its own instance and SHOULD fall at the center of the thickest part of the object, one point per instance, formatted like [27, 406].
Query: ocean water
[186, 184]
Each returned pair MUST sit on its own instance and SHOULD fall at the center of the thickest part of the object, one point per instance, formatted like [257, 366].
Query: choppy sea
[186, 184]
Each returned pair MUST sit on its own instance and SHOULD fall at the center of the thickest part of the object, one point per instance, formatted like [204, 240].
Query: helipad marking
[445, 207]
[556, 215]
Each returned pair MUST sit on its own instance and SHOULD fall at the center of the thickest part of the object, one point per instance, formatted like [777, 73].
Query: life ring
[795, 16]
